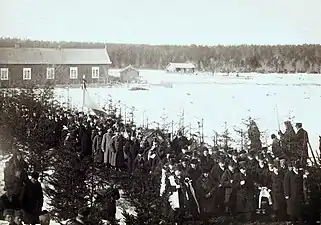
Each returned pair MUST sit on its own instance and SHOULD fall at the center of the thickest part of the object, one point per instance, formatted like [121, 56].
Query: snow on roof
[128, 67]
[70, 56]
[181, 65]
[114, 72]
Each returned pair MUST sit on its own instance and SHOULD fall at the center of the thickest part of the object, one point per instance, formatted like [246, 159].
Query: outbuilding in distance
[180, 68]
[129, 74]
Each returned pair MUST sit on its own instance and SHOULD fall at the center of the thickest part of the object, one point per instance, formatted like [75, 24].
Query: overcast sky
[209, 22]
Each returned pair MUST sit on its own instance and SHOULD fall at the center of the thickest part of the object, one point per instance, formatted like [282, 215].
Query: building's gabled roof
[181, 65]
[129, 67]
[56, 56]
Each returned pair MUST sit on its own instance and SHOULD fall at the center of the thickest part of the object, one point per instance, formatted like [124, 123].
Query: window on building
[50, 73]
[73, 72]
[4, 74]
[26, 74]
[95, 72]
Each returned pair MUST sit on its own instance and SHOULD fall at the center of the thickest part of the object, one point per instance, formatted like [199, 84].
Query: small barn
[180, 68]
[129, 74]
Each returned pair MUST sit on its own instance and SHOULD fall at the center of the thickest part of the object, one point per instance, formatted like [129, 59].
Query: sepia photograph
[158, 112]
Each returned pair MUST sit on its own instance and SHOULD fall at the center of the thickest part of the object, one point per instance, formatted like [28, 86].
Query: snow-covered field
[219, 99]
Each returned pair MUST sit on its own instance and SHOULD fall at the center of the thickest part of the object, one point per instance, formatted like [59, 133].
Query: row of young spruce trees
[241, 58]
[70, 185]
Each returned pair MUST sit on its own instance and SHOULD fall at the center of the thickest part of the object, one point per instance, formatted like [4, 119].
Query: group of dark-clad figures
[270, 183]
[196, 180]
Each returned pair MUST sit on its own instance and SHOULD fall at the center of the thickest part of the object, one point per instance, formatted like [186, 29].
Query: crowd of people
[197, 180]
[271, 183]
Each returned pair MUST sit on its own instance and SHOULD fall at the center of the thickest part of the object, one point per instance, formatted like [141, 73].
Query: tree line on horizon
[233, 58]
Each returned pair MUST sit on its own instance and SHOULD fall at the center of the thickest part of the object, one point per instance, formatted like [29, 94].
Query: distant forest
[241, 58]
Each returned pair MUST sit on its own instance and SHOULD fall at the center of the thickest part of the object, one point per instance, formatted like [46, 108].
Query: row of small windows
[50, 75]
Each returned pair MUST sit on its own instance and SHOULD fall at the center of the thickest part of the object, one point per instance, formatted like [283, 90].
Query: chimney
[17, 45]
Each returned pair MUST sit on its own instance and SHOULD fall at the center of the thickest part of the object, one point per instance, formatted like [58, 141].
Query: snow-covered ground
[268, 98]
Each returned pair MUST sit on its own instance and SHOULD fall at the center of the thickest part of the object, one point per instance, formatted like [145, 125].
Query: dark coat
[33, 198]
[118, 159]
[203, 187]
[227, 177]
[278, 197]
[127, 144]
[276, 147]
[206, 162]
[216, 174]
[288, 141]
[302, 140]
[262, 176]
[58, 129]
[98, 153]
[194, 174]
[293, 188]
[134, 148]
[217, 190]
[85, 141]
[254, 136]
[244, 193]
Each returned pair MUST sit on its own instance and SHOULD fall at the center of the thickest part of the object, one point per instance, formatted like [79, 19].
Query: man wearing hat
[287, 139]
[206, 160]
[204, 188]
[276, 146]
[251, 162]
[175, 190]
[244, 186]
[279, 204]
[184, 163]
[226, 183]
[33, 198]
[262, 172]
[283, 167]
[215, 176]
[106, 146]
[254, 136]
[293, 192]
[302, 141]
[194, 172]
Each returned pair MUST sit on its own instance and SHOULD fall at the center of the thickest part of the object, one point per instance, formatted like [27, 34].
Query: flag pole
[83, 91]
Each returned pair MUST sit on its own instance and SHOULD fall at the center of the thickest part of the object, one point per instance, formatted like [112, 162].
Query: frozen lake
[219, 99]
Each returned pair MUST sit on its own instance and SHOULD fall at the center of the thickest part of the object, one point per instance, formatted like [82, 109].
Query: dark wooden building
[24, 66]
